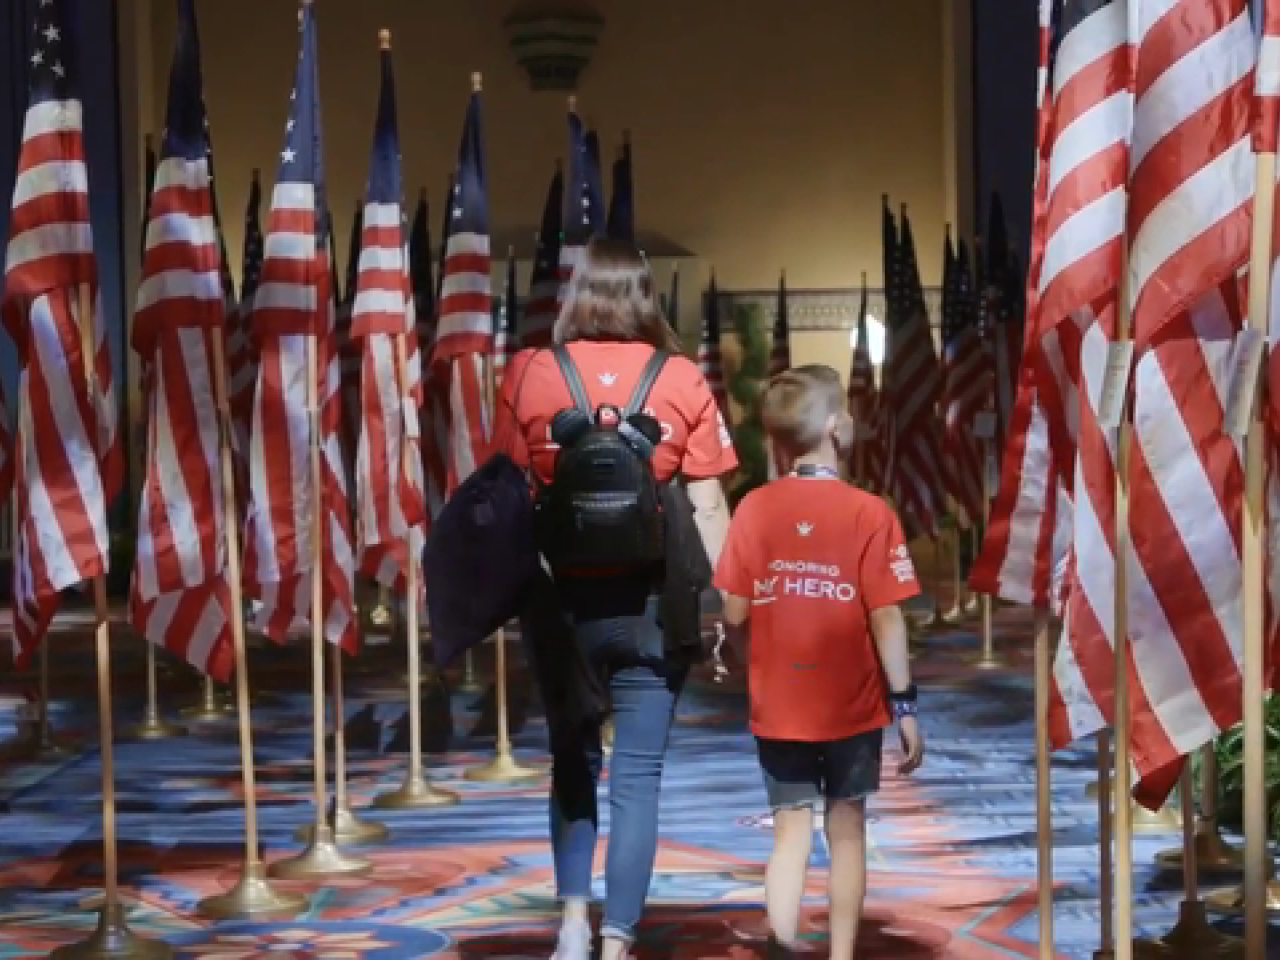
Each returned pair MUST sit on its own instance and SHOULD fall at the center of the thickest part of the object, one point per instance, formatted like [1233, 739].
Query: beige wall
[765, 132]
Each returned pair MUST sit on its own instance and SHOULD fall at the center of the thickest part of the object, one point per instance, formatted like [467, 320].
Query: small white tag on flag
[1246, 362]
[1115, 384]
[984, 425]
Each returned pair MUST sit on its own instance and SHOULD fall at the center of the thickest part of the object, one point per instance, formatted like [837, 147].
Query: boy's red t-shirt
[695, 441]
[815, 556]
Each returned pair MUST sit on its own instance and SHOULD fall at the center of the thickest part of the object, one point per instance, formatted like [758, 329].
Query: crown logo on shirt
[804, 529]
[608, 378]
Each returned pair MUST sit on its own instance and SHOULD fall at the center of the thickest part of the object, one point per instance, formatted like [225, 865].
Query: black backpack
[602, 512]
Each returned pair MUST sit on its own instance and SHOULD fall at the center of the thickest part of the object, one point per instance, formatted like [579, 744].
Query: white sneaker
[574, 942]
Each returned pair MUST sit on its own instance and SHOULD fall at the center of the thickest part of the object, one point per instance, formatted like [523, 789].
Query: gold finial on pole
[476, 82]
[384, 39]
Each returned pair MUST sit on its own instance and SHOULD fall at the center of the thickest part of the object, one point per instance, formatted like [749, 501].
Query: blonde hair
[610, 297]
[798, 405]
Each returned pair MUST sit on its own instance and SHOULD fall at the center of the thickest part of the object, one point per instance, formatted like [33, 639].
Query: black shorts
[800, 774]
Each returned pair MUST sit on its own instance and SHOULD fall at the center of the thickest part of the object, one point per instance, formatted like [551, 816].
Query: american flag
[780, 348]
[294, 320]
[180, 598]
[862, 405]
[710, 359]
[464, 334]
[1024, 551]
[966, 387]
[911, 389]
[507, 340]
[242, 360]
[622, 202]
[584, 214]
[390, 506]
[68, 458]
[544, 283]
[1190, 196]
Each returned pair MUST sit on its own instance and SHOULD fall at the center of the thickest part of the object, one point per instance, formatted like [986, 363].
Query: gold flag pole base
[212, 708]
[606, 735]
[347, 829]
[152, 726]
[1230, 902]
[415, 794]
[1192, 937]
[252, 897]
[320, 859]
[503, 768]
[113, 939]
[986, 660]
[1212, 853]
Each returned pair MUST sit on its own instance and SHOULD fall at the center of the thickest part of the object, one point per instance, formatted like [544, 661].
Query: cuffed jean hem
[615, 932]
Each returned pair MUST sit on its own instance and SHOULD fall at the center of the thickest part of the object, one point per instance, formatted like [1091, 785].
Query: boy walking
[814, 569]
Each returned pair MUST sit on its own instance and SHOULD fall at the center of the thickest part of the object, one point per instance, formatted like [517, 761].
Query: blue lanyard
[814, 470]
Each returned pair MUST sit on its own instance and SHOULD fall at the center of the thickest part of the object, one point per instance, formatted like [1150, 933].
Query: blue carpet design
[952, 849]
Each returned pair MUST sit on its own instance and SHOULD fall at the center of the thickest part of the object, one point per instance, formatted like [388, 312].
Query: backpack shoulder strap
[572, 379]
[648, 377]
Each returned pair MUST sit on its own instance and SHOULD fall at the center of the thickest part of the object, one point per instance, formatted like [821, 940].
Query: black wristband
[902, 708]
[903, 696]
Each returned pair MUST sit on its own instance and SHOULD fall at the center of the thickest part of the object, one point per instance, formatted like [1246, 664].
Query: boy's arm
[890, 633]
[889, 630]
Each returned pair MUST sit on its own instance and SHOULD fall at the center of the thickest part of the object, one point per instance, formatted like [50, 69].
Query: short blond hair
[798, 405]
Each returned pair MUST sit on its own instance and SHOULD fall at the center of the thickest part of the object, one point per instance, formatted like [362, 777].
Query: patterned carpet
[952, 849]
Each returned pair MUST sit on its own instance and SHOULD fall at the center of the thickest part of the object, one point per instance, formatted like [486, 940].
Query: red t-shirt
[815, 556]
[695, 441]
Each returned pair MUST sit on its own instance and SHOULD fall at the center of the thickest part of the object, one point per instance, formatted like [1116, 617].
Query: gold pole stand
[253, 895]
[213, 707]
[152, 726]
[1192, 937]
[1212, 854]
[503, 768]
[415, 793]
[321, 858]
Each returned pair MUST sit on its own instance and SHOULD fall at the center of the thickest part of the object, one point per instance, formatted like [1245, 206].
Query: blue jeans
[626, 645]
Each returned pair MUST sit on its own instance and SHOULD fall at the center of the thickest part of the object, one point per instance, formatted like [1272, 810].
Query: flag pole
[1044, 812]
[152, 726]
[321, 858]
[112, 938]
[415, 792]
[1259, 897]
[253, 895]
[503, 768]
